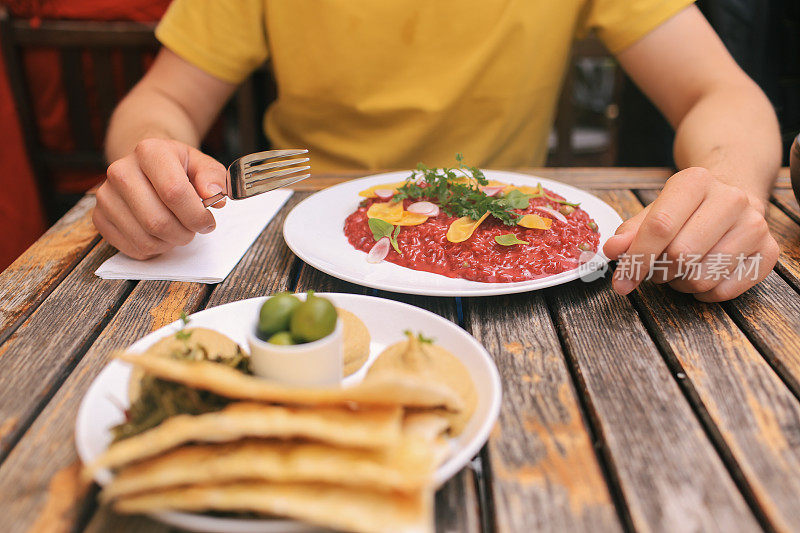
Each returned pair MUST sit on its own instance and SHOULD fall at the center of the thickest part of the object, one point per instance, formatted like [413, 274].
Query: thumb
[207, 175]
[623, 237]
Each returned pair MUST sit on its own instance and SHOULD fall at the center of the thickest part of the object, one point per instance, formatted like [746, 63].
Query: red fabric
[22, 216]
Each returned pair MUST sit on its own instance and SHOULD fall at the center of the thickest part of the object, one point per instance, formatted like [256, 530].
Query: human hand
[151, 200]
[698, 217]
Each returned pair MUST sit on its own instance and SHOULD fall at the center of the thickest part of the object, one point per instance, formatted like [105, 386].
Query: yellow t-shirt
[387, 83]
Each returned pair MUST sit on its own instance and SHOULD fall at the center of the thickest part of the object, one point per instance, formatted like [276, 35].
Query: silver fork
[261, 172]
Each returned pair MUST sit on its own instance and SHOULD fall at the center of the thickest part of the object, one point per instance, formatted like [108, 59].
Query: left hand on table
[696, 217]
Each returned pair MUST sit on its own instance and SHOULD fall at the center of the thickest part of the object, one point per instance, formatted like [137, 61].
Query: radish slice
[384, 194]
[555, 214]
[379, 251]
[424, 208]
[491, 191]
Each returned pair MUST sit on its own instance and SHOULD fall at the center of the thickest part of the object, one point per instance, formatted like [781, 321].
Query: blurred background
[56, 98]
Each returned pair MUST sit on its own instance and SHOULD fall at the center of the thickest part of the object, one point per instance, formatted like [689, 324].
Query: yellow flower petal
[524, 189]
[411, 219]
[462, 229]
[370, 193]
[535, 222]
[390, 212]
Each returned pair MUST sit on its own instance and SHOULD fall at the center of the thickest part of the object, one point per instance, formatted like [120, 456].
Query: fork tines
[266, 171]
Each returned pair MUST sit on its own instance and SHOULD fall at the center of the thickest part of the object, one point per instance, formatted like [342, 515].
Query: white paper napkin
[208, 258]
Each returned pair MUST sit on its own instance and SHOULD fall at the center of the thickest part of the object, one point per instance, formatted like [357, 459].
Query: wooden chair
[106, 44]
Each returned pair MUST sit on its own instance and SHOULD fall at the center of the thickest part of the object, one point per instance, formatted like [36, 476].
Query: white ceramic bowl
[320, 362]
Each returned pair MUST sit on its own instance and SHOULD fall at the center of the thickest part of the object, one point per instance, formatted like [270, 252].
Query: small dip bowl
[313, 363]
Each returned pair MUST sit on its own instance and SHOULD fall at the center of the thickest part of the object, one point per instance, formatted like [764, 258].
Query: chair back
[100, 61]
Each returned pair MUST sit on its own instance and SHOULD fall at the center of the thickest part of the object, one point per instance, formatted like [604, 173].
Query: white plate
[314, 232]
[385, 319]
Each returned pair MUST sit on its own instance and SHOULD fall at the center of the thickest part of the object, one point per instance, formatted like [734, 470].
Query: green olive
[282, 337]
[566, 209]
[276, 313]
[592, 226]
[585, 246]
[313, 319]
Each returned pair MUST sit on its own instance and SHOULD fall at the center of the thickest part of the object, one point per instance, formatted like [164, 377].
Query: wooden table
[648, 412]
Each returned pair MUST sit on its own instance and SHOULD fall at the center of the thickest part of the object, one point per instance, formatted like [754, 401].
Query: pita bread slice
[390, 389]
[365, 428]
[349, 509]
[406, 467]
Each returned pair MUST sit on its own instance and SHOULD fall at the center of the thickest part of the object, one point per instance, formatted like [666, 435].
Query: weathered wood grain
[44, 349]
[770, 315]
[668, 471]
[29, 279]
[787, 232]
[39, 480]
[267, 267]
[785, 199]
[754, 415]
[544, 472]
[311, 279]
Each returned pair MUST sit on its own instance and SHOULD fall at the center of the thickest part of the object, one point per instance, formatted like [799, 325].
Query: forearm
[732, 132]
[146, 113]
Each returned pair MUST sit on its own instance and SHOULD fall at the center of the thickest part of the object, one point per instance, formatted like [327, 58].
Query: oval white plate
[314, 231]
[385, 319]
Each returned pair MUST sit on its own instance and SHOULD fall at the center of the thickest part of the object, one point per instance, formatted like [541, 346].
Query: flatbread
[406, 467]
[365, 428]
[429, 363]
[385, 390]
[213, 343]
[356, 341]
[358, 510]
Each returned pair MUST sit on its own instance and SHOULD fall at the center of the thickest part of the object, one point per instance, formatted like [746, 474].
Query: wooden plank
[29, 279]
[752, 414]
[785, 199]
[770, 315]
[668, 471]
[545, 475]
[40, 482]
[43, 350]
[267, 267]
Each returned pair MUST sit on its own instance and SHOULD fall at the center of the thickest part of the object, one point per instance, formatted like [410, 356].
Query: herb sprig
[459, 197]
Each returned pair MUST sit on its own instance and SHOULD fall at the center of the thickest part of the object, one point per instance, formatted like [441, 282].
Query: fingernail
[213, 189]
[624, 285]
[209, 229]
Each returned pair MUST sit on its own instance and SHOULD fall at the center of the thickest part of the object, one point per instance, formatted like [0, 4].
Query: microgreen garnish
[456, 196]
[508, 240]
[516, 199]
[182, 334]
[380, 229]
[420, 337]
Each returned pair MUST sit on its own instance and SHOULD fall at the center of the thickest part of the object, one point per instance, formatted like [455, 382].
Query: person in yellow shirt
[386, 84]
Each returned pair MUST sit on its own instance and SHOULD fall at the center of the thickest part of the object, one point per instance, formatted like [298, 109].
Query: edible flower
[535, 222]
[411, 219]
[462, 229]
[386, 211]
